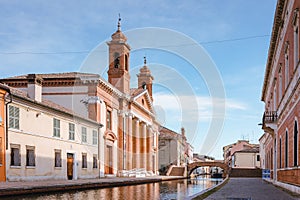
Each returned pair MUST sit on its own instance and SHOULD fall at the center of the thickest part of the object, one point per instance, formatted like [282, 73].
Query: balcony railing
[270, 117]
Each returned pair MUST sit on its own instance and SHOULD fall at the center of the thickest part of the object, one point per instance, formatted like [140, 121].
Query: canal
[176, 189]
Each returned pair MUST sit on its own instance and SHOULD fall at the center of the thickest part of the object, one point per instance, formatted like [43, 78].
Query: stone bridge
[192, 166]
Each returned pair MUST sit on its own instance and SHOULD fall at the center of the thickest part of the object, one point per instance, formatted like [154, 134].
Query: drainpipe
[99, 160]
[6, 118]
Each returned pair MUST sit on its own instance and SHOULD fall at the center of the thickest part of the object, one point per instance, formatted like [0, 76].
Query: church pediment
[142, 99]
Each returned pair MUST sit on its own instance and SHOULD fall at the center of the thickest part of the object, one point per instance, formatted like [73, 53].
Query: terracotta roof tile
[59, 75]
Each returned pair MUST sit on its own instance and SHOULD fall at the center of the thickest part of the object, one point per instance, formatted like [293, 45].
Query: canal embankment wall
[49, 186]
[242, 172]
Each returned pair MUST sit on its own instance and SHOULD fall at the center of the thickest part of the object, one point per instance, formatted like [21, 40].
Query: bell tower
[119, 51]
[145, 78]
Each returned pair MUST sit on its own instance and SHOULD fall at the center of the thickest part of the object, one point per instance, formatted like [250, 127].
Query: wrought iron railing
[270, 117]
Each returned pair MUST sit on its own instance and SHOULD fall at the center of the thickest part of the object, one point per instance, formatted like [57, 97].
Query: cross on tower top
[119, 22]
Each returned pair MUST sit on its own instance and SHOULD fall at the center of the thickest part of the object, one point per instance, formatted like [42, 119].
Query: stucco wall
[36, 130]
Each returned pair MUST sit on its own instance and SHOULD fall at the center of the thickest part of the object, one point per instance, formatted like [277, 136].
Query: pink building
[281, 95]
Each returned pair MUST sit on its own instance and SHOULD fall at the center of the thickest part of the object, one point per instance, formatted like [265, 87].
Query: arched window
[116, 60]
[126, 62]
[286, 149]
[295, 143]
[271, 159]
[296, 46]
[144, 85]
[286, 56]
[280, 155]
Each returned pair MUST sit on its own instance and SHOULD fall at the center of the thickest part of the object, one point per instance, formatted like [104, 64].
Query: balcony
[270, 121]
[270, 117]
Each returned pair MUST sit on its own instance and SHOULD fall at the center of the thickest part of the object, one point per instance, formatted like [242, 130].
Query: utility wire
[177, 45]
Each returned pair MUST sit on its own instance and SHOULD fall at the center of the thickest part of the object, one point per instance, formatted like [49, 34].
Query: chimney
[183, 132]
[34, 87]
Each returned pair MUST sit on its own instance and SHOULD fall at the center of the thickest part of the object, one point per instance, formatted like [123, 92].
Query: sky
[207, 57]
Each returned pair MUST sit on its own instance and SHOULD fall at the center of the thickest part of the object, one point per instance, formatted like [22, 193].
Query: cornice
[273, 42]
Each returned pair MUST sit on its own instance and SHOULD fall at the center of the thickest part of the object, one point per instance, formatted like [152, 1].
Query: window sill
[58, 168]
[84, 168]
[30, 167]
[15, 167]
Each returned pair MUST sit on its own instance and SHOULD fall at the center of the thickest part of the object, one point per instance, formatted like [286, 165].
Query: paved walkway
[250, 189]
[29, 187]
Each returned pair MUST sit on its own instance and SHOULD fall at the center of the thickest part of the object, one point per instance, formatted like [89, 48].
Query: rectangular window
[30, 156]
[275, 98]
[84, 160]
[56, 127]
[71, 131]
[14, 117]
[83, 134]
[57, 158]
[280, 86]
[287, 75]
[95, 163]
[15, 156]
[108, 120]
[95, 137]
[257, 158]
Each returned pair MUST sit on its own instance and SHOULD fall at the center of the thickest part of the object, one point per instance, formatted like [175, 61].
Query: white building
[47, 141]
[246, 158]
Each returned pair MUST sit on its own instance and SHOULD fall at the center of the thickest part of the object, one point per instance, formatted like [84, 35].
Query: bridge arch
[192, 166]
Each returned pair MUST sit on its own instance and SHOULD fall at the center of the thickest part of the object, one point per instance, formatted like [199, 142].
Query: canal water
[176, 189]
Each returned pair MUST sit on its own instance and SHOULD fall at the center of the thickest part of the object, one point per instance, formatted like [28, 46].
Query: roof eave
[273, 42]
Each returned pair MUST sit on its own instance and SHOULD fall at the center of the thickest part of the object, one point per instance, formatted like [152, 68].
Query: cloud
[203, 102]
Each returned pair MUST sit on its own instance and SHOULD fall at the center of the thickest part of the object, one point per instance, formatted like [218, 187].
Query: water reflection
[178, 189]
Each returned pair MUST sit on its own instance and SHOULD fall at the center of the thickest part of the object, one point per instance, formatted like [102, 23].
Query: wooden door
[70, 162]
[108, 160]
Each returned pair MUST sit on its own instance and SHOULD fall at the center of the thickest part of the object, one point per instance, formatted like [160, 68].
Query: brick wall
[290, 176]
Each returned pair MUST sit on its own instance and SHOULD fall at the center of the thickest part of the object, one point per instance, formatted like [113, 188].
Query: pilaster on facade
[130, 142]
[149, 150]
[136, 144]
[143, 146]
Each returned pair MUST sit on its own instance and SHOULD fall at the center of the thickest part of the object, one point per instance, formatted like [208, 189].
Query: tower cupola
[145, 79]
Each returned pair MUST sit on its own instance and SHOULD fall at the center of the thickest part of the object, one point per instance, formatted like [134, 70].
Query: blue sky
[58, 36]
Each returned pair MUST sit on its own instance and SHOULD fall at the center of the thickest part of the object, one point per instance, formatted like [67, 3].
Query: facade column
[155, 154]
[143, 146]
[149, 148]
[121, 142]
[136, 146]
[129, 142]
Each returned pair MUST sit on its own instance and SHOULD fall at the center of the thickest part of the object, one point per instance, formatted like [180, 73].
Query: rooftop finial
[145, 60]
[119, 22]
